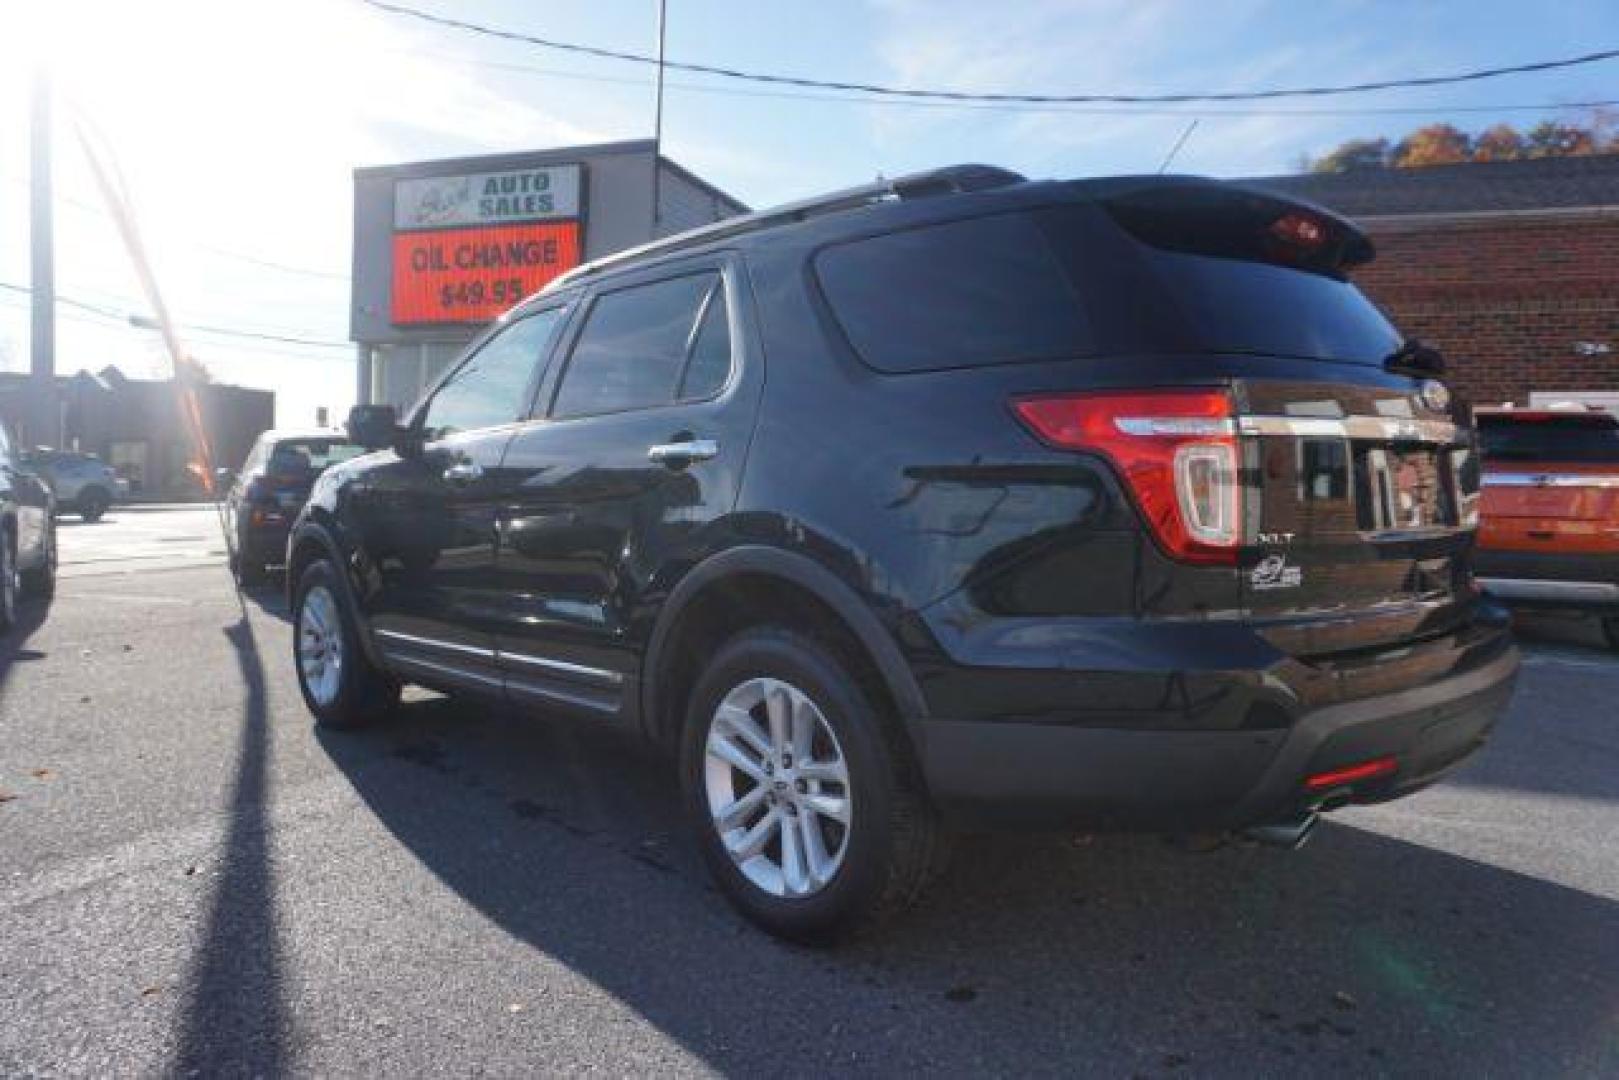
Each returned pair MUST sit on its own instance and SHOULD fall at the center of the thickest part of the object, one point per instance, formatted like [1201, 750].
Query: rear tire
[833, 875]
[40, 583]
[10, 584]
[340, 685]
[92, 504]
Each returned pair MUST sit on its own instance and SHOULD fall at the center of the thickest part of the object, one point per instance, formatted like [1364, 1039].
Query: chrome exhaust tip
[1289, 833]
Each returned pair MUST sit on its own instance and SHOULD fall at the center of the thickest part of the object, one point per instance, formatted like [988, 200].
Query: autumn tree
[1550, 138]
[1354, 156]
[1443, 144]
[1436, 144]
[1499, 143]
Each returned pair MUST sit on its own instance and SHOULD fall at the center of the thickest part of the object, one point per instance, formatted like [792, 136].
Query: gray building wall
[396, 364]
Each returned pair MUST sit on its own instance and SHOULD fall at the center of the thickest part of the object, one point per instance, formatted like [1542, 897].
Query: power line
[266, 349]
[224, 331]
[96, 208]
[961, 95]
[1076, 110]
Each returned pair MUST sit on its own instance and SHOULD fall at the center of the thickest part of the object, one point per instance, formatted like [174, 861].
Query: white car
[82, 483]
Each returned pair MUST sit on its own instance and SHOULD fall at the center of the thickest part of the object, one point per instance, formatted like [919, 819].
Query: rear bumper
[1550, 580]
[1036, 775]
[264, 544]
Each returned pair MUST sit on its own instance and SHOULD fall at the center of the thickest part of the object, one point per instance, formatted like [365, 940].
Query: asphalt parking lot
[194, 881]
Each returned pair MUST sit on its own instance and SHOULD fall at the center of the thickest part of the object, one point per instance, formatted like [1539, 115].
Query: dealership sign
[466, 248]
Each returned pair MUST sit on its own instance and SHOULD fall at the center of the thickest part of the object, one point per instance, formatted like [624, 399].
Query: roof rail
[952, 179]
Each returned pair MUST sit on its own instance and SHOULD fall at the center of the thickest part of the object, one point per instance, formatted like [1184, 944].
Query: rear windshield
[1580, 438]
[296, 456]
[1070, 281]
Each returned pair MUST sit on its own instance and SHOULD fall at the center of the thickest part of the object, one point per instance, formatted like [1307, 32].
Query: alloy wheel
[778, 788]
[320, 645]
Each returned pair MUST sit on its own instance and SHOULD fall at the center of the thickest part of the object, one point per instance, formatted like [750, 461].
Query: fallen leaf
[43, 774]
[192, 869]
[515, 1007]
[151, 991]
[1344, 1000]
[8, 796]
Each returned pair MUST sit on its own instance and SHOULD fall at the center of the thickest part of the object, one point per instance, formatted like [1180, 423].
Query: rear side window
[1577, 438]
[649, 345]
[960, 294]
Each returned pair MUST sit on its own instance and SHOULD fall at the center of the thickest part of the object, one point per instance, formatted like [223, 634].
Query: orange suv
[1549, 535]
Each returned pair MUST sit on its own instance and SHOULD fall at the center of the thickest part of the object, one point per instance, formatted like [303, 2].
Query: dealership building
[441, 248]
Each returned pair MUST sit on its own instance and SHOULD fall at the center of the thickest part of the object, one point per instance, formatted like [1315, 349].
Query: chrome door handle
[680, 453]
[463, 472]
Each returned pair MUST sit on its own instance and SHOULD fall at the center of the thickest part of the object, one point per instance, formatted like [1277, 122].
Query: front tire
[340, 685]
[805, 806]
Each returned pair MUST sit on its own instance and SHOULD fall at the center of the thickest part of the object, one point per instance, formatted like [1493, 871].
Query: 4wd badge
[1272, 572]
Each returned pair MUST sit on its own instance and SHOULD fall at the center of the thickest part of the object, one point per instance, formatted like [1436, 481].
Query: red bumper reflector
[1366, 770]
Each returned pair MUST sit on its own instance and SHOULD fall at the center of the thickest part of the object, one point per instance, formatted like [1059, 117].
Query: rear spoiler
[1211, 217]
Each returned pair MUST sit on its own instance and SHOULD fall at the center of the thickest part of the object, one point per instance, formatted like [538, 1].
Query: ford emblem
[1435, 395]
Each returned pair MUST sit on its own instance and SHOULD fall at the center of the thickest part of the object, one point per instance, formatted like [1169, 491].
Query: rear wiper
[1415, 358]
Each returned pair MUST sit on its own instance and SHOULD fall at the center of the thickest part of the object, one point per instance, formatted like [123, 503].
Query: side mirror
[374, 426]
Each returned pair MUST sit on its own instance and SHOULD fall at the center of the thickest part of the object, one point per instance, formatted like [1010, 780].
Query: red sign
[473, 275]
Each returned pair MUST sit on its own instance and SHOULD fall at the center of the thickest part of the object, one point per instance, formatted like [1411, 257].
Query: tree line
[1446, 144]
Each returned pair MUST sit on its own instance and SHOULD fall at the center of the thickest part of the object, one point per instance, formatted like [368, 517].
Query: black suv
[263, 498]
[954, 498]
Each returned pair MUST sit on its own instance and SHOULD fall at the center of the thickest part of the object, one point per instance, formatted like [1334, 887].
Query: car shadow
[14, 648]
[1122, 955]
[1576, 631]
[270, 596]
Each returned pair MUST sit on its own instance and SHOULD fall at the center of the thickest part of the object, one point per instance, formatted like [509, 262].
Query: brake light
[1299, 230]
[1176, 450]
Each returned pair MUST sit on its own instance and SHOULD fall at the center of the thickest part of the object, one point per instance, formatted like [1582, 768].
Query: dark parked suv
[264, 498]
[956, 498]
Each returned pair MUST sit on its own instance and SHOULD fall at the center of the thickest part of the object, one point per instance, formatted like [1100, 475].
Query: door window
[491, 388]
[649, 345]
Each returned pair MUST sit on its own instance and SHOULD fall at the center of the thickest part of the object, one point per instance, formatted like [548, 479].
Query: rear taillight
[1177, 451]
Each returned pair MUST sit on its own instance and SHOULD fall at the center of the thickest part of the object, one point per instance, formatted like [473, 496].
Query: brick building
[1511, 268]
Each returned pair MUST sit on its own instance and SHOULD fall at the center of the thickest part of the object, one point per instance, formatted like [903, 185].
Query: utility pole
[657, 127]
[41, 408]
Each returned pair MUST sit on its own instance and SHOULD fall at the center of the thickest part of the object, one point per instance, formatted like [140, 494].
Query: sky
[236, 125]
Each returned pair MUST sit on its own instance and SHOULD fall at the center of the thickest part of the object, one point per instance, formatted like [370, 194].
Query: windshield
[1578, 438]
[300, 456]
